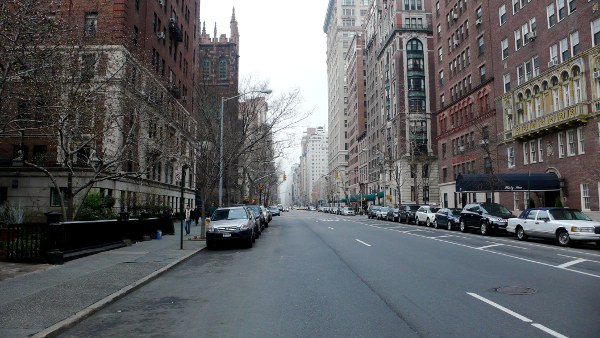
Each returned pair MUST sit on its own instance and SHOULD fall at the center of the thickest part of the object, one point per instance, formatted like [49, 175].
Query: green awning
[370, 197]
[380, 194]
[343, 200]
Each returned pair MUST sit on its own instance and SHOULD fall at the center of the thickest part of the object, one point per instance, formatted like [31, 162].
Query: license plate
[226, 234]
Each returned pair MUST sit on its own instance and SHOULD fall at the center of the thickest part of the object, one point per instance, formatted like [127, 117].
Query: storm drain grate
[514, 290]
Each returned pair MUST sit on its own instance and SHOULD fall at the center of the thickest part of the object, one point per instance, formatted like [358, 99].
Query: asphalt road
[320, 275]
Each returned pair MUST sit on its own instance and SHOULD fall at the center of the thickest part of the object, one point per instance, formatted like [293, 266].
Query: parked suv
[425, 215]
[372, 210]
[486, 217]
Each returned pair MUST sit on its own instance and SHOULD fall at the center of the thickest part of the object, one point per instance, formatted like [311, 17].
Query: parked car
[382, 213]
[393, 214]
[274, 210]
[348, 211]
[260, 218]
[425, 215]
[280, 207]
[486, 217]
[231, 224]
[448, 218]
[372, 211]
[407, 213]
[563, 224]
[267, 214]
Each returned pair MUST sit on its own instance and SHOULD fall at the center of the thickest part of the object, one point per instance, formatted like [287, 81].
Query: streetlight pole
[221, 160]
[181, 204]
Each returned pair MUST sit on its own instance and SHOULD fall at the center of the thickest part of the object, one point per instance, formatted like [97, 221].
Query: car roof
[551, 208]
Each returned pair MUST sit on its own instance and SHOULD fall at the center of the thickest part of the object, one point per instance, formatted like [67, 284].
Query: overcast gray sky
[282, 42]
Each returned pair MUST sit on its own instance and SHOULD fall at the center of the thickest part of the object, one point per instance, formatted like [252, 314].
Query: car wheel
[463, 226]
[521, 233]
[449, 225]
[417, 221]
[435, 224]
[484, 228]
[428, 222]
[563, 238]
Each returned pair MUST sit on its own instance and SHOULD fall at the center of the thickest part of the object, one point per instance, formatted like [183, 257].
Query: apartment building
[549, 98]
[140, 58]
[401, 150]
[343, 20]
[465, 82]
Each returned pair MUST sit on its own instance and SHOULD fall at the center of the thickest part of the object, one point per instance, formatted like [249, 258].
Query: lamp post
[221, 164]
[181, 211]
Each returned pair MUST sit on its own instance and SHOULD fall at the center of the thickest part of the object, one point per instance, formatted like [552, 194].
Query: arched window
[206, 69]
[414, 45]
[222, 68]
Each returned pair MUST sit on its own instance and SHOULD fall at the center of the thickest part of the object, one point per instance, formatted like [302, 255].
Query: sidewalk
[42, 299]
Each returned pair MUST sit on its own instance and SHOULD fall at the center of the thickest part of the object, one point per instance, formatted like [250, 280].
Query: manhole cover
[515, 290]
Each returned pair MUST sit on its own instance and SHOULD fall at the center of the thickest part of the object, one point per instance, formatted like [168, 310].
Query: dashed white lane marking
[567, 264]
[330, 228]
[518, 316]
[500, 307]
[361, 242]
[489, 246]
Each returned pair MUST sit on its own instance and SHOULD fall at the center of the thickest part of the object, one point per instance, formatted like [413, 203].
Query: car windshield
[496, 209]
[225, 214]
[455, 212]
[413, 207]
[376, 207]
[435, 209]
[567, 214]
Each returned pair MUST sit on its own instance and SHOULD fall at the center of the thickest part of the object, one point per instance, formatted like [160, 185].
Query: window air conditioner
[596, 74]
[161, 2]
[461, 149]
[455, 16]
[479, 21]
[160, 35]
[552, 63]
[531, 36]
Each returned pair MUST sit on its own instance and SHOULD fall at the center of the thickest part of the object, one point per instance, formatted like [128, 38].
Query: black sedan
[407, 213]
[448, 218]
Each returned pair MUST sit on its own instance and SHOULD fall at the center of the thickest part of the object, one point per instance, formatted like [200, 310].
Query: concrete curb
[63, 325]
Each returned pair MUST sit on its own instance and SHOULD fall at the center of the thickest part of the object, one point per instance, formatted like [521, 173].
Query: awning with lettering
[507, 182]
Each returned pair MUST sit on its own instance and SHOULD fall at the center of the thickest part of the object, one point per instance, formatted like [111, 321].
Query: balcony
[569, 116]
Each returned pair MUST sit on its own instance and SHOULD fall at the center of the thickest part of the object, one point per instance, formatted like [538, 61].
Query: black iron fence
[54, 242]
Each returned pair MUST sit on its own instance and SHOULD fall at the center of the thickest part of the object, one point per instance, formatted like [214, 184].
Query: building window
[540, 150]
[532, 152]
[481, 44]
[525, 154]
[504, 48]
[596, 31]
[518, 41]
[506, 80]
[516, 205]
[91, 24]
[580, 141]
[562, 11]
[585, 197]
[564, 50]
[550, 15]
[502, 14]
[561, 144]
[55, 196]
[206, 69]
[88, 66]
[222, 69]
[511, 157]
[570, 142]
[574, 43]
[482, 73]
